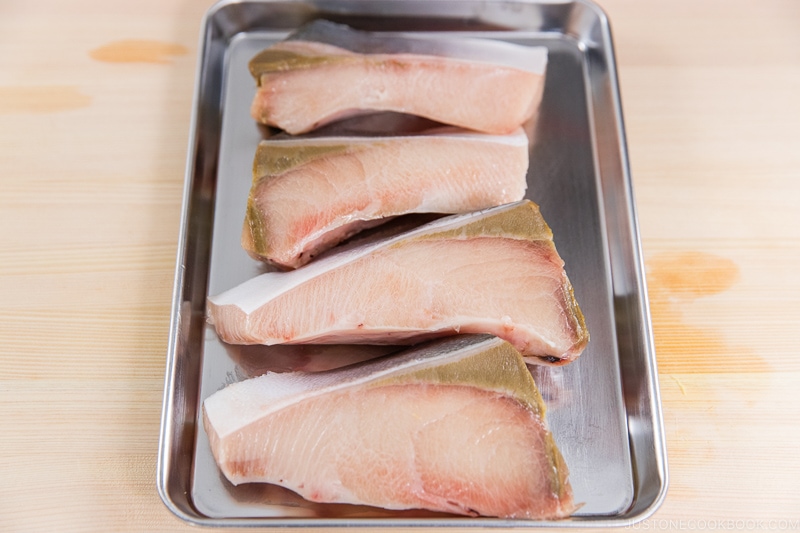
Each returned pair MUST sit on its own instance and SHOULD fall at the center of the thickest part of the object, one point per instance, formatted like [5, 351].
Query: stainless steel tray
[604, 410]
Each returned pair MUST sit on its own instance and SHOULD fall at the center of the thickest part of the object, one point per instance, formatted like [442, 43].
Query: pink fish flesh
[310, 194]
[495, 271]
[329, 72]
[454, 426]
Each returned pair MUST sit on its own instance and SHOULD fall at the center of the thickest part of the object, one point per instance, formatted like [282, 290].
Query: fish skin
[419, 285]
[467, 433]
[312, 84]
[308, 196]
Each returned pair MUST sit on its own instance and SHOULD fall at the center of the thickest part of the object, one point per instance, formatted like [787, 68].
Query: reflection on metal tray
[603, 410]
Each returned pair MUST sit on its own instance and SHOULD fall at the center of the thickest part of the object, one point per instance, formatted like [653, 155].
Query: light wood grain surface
[95, 101]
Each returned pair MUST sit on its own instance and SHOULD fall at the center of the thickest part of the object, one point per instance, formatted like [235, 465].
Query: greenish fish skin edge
[275, 60]
[270, 162]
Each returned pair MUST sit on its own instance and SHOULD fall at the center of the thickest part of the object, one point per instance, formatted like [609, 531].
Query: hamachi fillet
[329, 71]
[495, 271]
[456, 425]
[310, 194]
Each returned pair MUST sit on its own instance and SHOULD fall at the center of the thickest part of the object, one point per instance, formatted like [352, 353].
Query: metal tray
[604, 409]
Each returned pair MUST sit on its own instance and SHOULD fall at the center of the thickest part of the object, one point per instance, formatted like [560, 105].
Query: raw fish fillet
[495, 271]
[456, 426]
[310, 194]
[328, 71]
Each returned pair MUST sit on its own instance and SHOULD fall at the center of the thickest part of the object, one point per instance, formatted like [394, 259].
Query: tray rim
[178, 316]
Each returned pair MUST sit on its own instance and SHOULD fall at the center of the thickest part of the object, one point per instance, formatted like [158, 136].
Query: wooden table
[95, 100]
